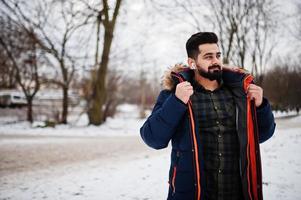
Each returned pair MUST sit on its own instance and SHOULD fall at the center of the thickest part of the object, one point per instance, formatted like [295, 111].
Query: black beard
[214, 73]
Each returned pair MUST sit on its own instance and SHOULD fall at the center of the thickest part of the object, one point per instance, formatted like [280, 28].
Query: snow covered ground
[134, 171]
[125, 123]
[281, 161]
[144, 178]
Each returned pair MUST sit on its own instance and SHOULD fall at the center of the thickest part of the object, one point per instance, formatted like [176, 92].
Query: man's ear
[191, 63]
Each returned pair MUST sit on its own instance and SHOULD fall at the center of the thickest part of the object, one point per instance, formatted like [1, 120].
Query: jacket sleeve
[160, 126]
[265, 120]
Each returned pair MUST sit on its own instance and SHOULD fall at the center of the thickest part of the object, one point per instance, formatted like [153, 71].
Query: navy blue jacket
[172, 120]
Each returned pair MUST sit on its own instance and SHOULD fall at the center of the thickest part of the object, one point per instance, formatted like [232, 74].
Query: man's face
[208, 61]
[209, 56]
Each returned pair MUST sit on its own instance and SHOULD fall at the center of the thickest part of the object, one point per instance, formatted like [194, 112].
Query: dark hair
[192, 44]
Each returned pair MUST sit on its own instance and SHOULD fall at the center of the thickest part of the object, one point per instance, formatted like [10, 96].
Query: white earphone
[193, 66]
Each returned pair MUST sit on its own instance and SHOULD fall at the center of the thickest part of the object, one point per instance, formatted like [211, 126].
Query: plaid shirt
[215, 113]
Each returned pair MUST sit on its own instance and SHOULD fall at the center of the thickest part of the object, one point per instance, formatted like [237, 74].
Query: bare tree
[7, 72]
[113, 94]
[281, 85]
[107, 18]
[54, 34]
[264, 25]
[142, 83]
[189, 11]
[298, 21]
[296, 25]
[20, 48]
[245, 27]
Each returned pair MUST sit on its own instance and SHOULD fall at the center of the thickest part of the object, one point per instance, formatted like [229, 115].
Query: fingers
[185, 85]
[231, 68]
[183, 91]
[253, 87]
[255, 92]
[234, 69]
[253, 95]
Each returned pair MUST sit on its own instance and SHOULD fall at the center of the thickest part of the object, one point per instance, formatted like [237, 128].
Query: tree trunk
[65, 105]
[98, 99]
[142, 103]
[29, 109]
[99, 91]
[225, 60]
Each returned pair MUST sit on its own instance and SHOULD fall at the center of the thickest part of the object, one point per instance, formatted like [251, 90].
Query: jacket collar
[230, 78]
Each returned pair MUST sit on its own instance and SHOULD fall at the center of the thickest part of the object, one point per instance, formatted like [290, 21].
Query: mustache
[214, 67]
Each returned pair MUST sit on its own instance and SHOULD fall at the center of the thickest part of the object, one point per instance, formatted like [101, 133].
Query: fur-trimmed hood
[230, 76]
[167, 81]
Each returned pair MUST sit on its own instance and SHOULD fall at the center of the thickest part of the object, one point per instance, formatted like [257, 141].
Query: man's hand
[233, 68]
[255, 92]
[183, 91]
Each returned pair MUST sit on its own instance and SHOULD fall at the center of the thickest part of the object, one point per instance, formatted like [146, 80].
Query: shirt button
[217, 122]
[215, 107]
[219, 136]
[220, 154]
[219, 171]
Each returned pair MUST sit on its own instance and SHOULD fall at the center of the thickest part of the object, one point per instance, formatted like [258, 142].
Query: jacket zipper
[236, 123]
[174, 174]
